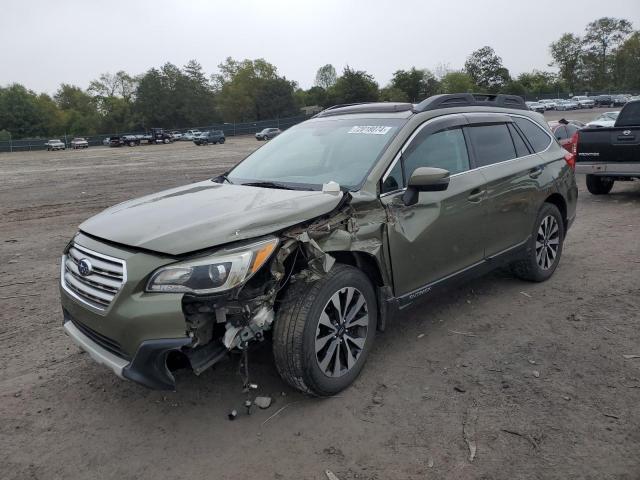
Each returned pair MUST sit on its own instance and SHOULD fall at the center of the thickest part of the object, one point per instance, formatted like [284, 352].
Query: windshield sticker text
[370, 129]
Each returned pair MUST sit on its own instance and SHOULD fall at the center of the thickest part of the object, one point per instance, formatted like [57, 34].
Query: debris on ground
[263, 402]
[469, 431]
[629, 357]
[611, 415]
[466, 334]
[536, 373]
[421, 335]
[330, 475]
[233, 414]
[430, 462]
[458, 388]
[574, 317]
[526, 294]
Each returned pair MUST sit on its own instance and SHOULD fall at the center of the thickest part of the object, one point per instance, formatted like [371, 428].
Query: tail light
[570, 156]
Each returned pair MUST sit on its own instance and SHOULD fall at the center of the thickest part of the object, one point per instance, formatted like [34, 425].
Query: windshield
[320, 151]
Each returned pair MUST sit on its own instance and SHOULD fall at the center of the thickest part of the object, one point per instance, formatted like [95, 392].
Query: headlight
[216, 273]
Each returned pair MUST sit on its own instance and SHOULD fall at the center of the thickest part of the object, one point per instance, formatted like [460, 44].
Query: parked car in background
[106, 141]
[190, 135]
[611, 154]
[536, 107]
[158, 135]
[268, 133]
[206, 138]
[319, 251]
[584, 101]
[606, 119]
[577, 123]
[79, 142]
[55, 144]
[129, 140]
[619, 100]
[566, 105]
[176, 135]
[603, 100]
[549, 104]
[565, 133]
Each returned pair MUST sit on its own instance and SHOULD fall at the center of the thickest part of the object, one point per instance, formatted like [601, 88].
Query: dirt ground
[533, 375]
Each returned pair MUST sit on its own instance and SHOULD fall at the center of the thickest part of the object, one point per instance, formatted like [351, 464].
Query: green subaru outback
[317, 238]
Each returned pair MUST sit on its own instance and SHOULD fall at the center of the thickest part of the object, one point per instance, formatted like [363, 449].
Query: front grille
[99, 287]
[105, 342]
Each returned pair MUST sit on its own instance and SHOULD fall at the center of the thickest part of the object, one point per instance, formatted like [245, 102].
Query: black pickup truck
[610, 154]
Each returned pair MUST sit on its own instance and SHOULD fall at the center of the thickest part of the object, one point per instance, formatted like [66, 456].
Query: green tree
[601, 38]
[353, 86]
[486, 70]
[627, 64]
[242, 86]
[416, 84]
[567, 55]
[24, 114]
[326, 76]
[539, 82]
[316, 96]
[393, 94]
[457, 82]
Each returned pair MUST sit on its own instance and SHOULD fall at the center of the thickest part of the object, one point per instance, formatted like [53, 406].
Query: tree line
[606, 57]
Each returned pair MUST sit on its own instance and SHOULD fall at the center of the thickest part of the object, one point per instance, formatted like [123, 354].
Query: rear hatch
[610, 145]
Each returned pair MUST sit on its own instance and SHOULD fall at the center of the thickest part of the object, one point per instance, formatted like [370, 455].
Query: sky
[44, 43]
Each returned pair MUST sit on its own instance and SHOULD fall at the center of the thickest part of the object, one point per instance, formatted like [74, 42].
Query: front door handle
[476, 195]
[535, 172]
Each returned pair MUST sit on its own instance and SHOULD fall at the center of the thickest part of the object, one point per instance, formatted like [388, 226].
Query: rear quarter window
[537, 137]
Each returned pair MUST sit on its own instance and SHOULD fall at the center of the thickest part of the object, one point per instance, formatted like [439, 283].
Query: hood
[206, 214]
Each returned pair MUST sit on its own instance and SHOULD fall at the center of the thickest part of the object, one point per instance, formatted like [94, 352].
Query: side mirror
[425, 179]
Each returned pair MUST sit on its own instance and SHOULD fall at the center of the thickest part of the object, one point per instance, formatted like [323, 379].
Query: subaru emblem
[84, 267]
[627, 132]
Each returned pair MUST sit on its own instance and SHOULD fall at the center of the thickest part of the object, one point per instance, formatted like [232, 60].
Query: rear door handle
[476, 195]
[535, 172]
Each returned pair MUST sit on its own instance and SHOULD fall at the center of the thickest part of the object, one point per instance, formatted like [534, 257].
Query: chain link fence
[229, 129]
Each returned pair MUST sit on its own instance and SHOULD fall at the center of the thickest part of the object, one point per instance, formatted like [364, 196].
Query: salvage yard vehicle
[79, 142]
[206, 138]
[317, 238]
[610, 154]
[536, 107]
[606, 119]
[268, 133]
[190, 135]
[55, 144]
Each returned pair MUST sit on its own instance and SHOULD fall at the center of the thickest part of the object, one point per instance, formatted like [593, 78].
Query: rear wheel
[324, 331]
[599, 185]
[544, 247]
[132, 144]
[221, 141]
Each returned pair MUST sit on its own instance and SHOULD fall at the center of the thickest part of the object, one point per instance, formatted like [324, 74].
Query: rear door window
[537, 137]
[491, 144]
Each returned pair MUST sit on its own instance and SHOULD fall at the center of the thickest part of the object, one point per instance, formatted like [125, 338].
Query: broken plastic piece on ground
[233, 414]
[263, 402]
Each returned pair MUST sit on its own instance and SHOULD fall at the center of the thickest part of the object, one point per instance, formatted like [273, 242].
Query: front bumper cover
[149, 365]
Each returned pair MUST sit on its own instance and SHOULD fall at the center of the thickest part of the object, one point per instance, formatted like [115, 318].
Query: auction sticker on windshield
[370, 129]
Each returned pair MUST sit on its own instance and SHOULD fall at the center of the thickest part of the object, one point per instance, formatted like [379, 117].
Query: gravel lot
[532, 374]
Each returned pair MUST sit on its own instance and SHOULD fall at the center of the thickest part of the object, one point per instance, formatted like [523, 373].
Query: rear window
[537, 137]
[629, 116]
[492, 144]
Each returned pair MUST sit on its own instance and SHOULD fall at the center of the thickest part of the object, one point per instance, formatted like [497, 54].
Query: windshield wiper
[265, 184]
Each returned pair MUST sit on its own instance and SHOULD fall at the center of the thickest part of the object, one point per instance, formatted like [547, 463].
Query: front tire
[599, 185]
[544, 248]
[324, 331]
[221, 141]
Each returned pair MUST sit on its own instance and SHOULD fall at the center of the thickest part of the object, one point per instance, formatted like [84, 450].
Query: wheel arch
[559, 201]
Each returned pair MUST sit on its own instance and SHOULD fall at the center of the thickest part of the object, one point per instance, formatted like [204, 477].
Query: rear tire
[324, 331]
[544, 248]
[599, 185]
[221, 141]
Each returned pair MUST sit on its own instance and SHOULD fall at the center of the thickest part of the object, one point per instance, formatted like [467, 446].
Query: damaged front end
[233, 319]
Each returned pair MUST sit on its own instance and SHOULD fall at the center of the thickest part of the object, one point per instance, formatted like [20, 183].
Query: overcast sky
[45, 43]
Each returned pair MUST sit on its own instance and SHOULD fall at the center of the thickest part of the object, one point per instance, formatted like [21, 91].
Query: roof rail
[373, 107]
[450, 100]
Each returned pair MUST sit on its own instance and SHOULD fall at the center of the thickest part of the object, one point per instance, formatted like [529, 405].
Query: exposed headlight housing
[216, 273]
